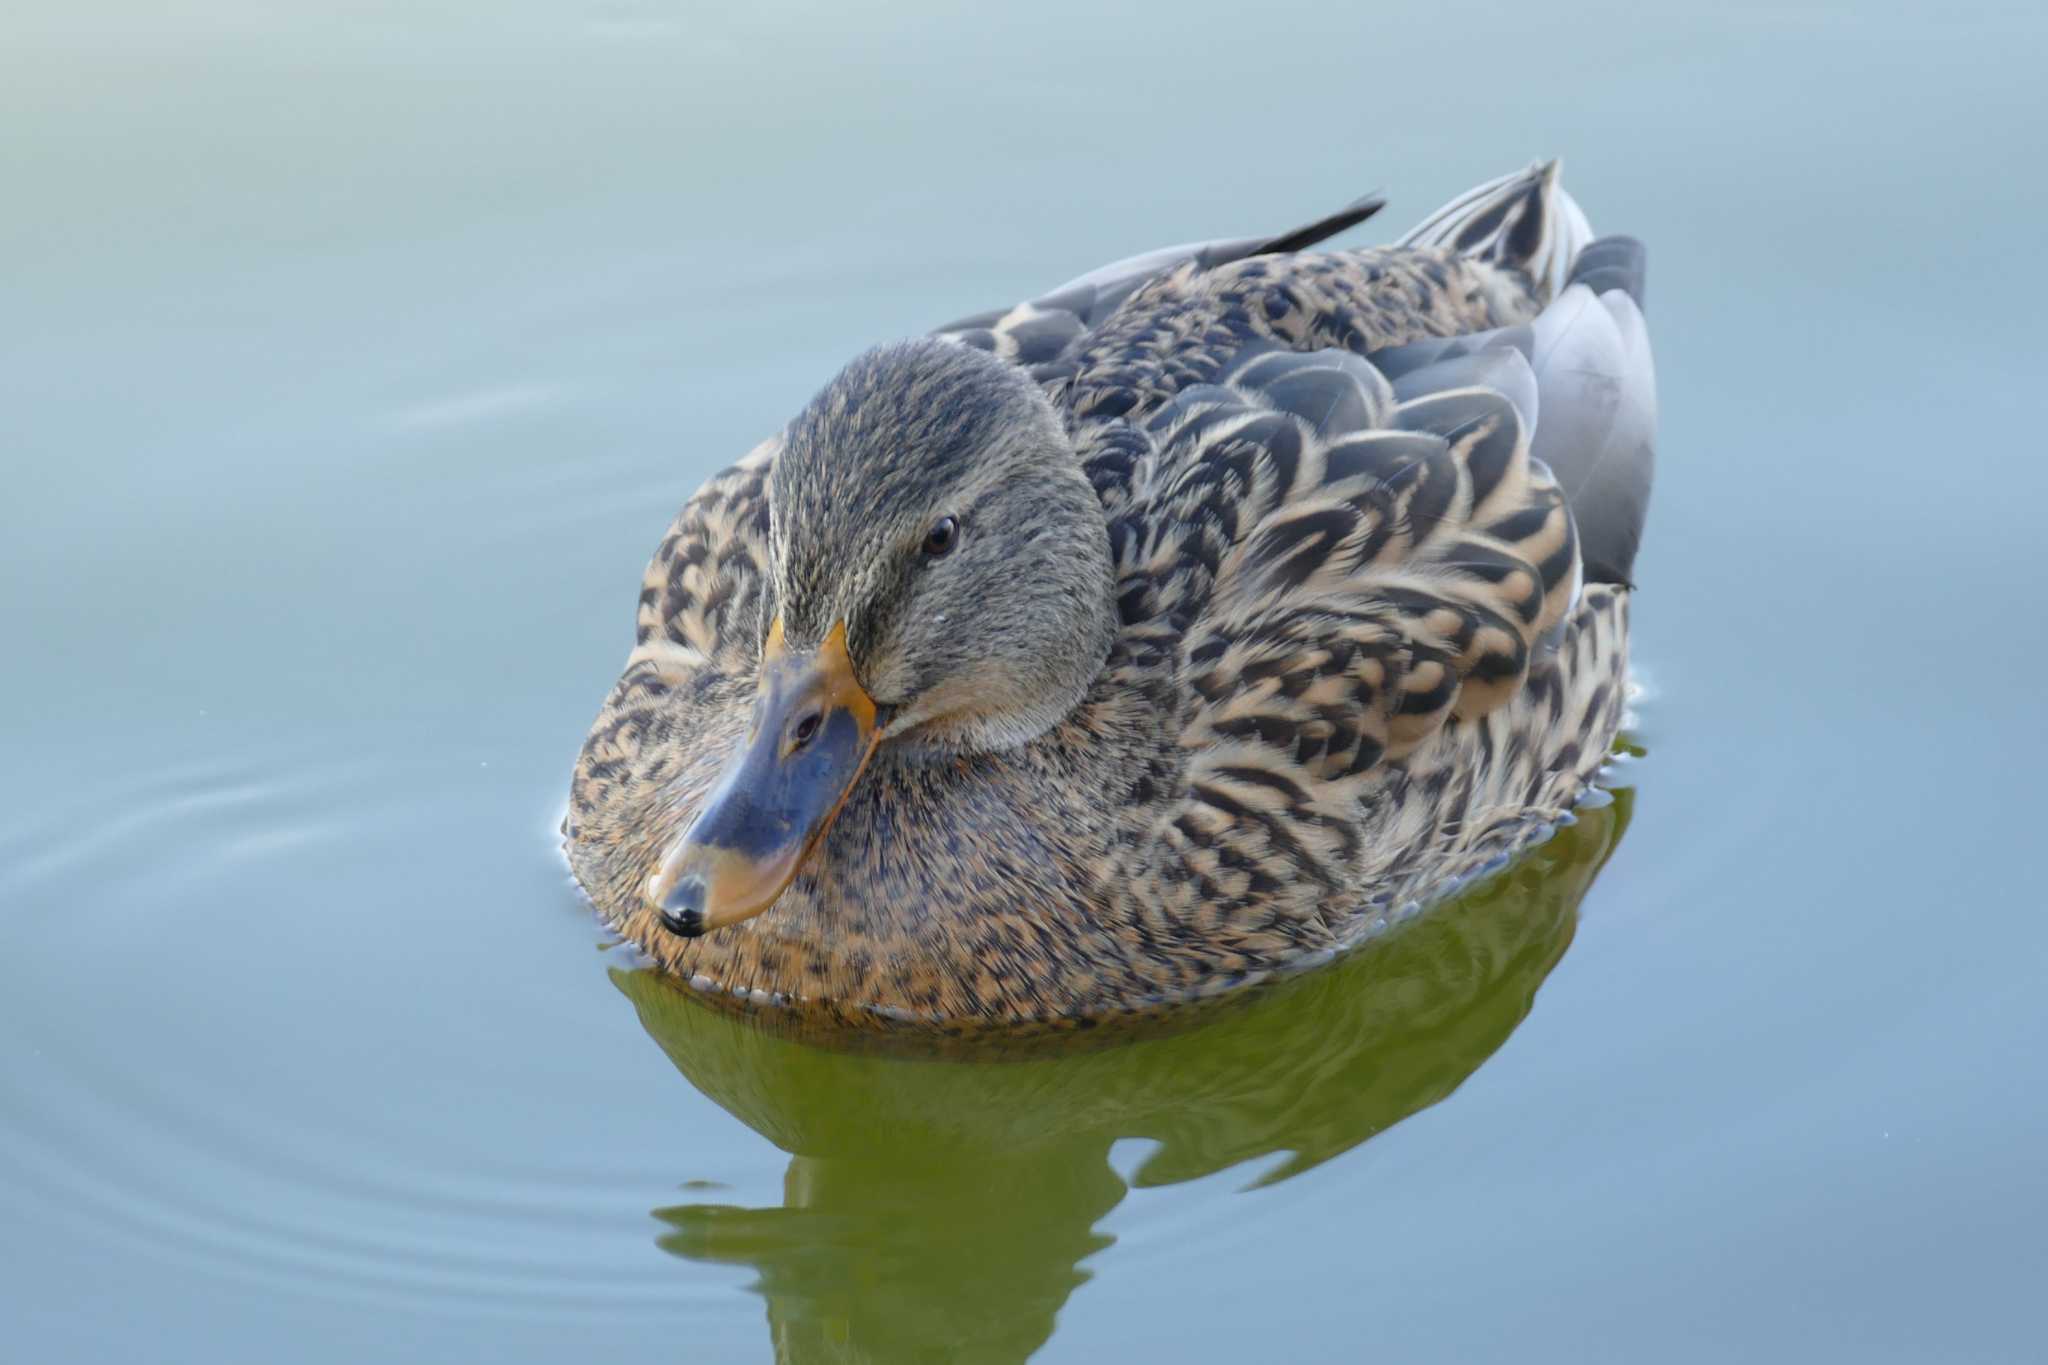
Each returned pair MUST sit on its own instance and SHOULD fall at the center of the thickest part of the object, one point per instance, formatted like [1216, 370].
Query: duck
[1173, 630]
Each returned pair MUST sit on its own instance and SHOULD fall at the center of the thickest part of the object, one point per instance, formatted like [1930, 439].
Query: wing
[1363, 553]
[1524, 222]
[1590, 354]
[1035, 332]
[1399, 559]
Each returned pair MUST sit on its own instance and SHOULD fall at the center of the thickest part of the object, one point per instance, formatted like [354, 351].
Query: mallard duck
[1181, 626]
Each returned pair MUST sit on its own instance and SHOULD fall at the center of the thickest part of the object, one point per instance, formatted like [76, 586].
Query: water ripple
[180, 1110]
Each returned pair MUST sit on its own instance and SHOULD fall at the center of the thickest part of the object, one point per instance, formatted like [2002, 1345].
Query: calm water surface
[356, 356]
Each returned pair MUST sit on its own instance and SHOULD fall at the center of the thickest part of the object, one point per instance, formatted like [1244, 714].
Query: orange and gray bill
[813, 731]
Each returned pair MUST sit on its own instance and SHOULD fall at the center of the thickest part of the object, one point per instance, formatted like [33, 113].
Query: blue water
[355, 359]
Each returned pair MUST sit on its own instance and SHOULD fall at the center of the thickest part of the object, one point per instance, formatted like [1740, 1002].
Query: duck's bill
[813, 730]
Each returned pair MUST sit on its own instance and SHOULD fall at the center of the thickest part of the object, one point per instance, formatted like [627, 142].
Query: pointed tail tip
[1524, 220]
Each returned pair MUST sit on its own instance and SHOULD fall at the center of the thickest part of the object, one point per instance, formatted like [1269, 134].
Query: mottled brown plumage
[1345, 654]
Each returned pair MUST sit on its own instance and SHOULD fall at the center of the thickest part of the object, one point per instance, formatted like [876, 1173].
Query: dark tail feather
[1321, 230]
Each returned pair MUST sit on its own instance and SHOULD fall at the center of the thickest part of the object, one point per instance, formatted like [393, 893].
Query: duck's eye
[940, 540]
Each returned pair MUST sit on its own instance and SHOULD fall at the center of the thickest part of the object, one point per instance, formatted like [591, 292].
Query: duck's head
[940, 585]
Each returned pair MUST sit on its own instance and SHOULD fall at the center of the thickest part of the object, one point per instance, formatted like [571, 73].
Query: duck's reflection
[936, 1209]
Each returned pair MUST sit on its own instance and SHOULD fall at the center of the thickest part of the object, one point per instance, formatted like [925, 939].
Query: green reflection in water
[938, 1209]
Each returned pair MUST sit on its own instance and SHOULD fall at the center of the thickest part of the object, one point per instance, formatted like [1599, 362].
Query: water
[357, 356]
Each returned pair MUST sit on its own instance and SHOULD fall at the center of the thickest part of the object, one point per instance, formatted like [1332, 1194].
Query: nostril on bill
[682, 909]
[805, 730]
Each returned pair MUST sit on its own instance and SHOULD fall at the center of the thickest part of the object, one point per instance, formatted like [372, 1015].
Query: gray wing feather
[1503, 368]
[1597, 395]
[1588, 392]
[1579, 375]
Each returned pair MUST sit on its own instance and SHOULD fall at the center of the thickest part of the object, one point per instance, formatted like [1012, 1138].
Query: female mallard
[1135, 642]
